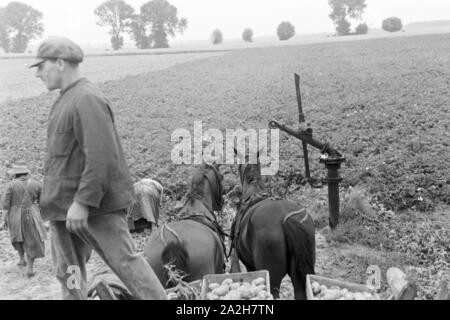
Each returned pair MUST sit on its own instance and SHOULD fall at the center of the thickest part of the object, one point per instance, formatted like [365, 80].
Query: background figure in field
[144, 213]
[23, 218]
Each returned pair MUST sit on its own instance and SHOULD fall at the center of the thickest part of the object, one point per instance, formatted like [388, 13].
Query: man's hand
[77, 217]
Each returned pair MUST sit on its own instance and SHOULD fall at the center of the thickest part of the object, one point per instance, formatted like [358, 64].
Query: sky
[76, 19]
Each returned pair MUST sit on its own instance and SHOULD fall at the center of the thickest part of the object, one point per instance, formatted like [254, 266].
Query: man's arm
[94, 131]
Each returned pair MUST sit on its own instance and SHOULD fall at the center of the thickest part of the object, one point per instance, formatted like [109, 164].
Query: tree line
[157, 20]
[344, 10]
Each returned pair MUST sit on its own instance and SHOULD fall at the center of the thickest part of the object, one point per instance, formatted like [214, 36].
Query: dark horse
[272, 234]
[195, 244]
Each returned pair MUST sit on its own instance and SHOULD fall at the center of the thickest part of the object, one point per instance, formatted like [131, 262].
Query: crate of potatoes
[237, 286]
[320, 288]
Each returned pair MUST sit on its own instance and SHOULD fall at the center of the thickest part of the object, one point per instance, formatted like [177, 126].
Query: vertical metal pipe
[333, 197]
[333, 179]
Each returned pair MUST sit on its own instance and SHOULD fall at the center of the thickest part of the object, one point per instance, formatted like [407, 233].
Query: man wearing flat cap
[87, 185]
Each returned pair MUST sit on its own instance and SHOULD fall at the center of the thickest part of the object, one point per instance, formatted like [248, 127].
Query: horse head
[206, 186]
[250, 174]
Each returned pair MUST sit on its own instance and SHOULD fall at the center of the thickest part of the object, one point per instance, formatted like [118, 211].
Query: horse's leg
[235, 266]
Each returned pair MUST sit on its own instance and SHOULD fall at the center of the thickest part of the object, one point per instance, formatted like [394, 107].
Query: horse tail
[301, 246]
[176, 254]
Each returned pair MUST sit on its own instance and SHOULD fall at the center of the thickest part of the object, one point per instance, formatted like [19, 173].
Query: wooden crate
[236, 277]
[352, 287]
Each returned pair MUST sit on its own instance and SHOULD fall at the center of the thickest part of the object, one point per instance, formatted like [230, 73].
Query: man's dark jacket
[85, 161]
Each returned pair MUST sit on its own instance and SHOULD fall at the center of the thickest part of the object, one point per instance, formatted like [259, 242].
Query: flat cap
[58, 48]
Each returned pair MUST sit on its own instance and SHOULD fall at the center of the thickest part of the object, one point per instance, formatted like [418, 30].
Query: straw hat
[20, 167]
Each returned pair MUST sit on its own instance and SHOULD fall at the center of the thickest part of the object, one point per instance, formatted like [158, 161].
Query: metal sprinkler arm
[306, 136]
[332, 160]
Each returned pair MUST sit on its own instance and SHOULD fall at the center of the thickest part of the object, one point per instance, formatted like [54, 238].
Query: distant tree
[392, 24]
[116, 14]
[343, 27]
[161, 17]
[285, 31]
[342, 10]
[247, 35]
[217, 37]
[138, 33]
[362, 29]
[19, 24]
[5, 30]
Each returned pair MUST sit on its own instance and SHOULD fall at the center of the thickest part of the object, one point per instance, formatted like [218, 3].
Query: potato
[233, 295]
[359, 296]
[235, 286]
[332, 294]
[315, 288]
[323, 291]
[259, 281]
[221, 291]
[227, 282]
[246, 292]
[263, 295]
[260, 288]
[213, 286]
[323, 288]
[349, 296]
[368, 296]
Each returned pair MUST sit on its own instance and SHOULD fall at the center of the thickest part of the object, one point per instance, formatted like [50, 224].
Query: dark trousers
[109, 236]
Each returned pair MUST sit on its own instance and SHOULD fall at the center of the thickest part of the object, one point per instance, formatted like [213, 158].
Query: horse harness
[242, 216]
[212, 224]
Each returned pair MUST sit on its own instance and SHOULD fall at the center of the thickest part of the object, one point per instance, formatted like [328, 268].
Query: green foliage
[217, 37]
[392, 24]
[342, 10]
[285, 31]
[117, 15]
[162, 18]
[247, 35]
[362, 29]
[19, 24]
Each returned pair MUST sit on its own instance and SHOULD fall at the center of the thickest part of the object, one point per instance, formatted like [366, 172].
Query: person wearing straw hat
[22, 216]
[87, 184]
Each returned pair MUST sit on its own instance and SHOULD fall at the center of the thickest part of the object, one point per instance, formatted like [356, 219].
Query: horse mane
[196, 190]
[252, 176]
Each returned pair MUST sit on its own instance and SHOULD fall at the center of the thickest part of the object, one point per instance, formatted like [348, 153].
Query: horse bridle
[218, 193]
[243, 172]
